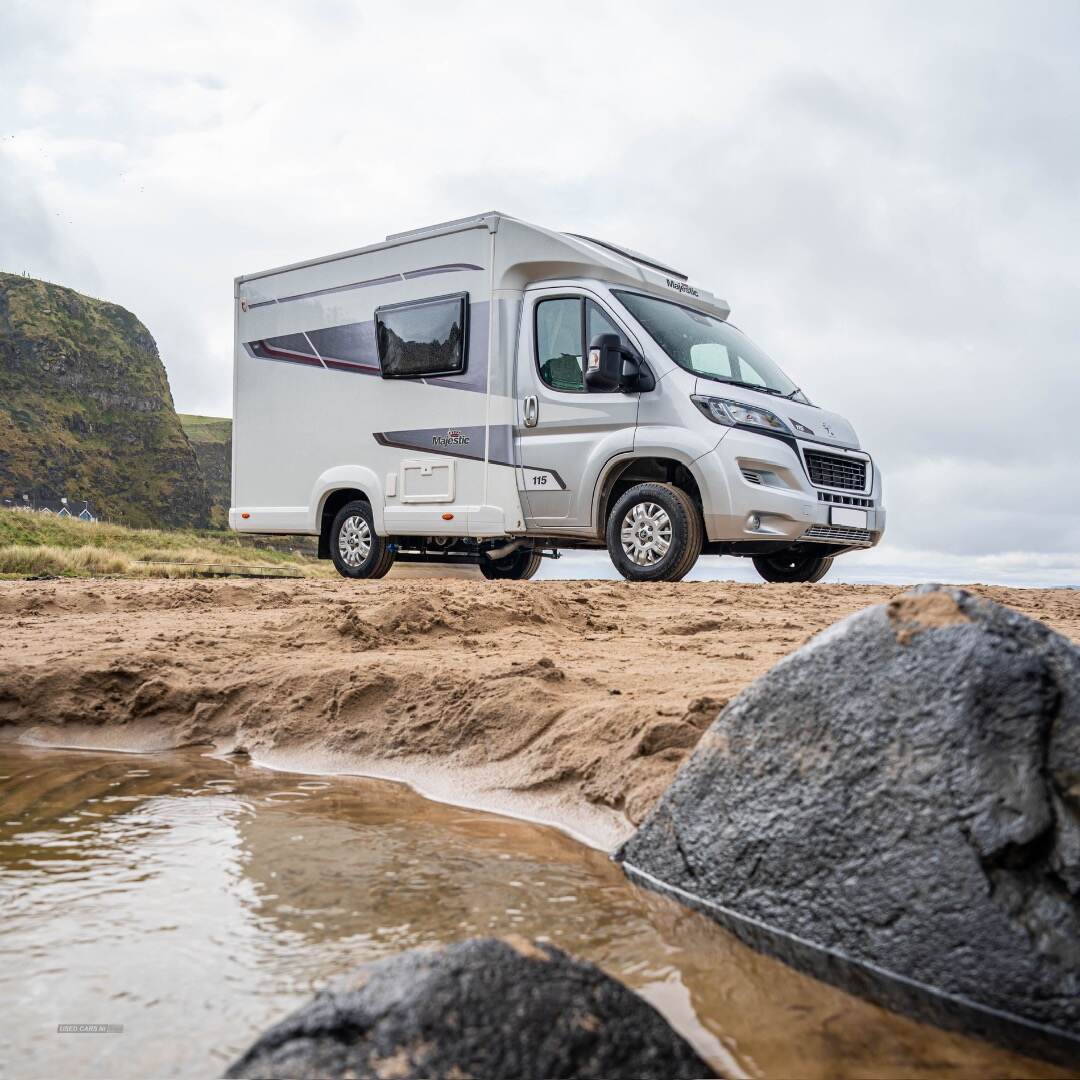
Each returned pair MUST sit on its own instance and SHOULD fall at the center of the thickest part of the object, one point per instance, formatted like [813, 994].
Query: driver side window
[558, 343]
[564, 327]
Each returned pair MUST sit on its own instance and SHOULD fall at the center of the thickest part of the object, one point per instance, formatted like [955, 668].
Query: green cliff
[86, 411]
[211, 439]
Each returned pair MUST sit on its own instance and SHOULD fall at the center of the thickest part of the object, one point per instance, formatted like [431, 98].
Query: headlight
[730, 413]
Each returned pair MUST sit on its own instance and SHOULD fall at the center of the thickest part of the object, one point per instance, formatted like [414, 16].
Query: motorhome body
[488, 391]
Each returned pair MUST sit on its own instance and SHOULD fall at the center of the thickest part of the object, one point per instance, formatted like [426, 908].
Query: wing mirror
[611, 366]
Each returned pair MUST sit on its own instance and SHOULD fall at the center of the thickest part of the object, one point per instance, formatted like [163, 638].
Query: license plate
[847, 515]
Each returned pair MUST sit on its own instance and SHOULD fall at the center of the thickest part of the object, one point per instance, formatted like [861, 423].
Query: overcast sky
[886, 194]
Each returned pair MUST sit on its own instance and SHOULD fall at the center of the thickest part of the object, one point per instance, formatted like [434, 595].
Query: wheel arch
[624, 473]
[334, 489]
[331, 504]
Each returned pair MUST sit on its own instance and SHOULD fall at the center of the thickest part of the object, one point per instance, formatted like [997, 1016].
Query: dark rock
[896, 809]
[484, 1008]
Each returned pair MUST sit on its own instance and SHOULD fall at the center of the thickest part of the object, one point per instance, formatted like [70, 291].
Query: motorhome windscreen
[423, 337]
[707, 346]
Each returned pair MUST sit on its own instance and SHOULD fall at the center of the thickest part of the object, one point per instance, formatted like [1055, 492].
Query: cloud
[887, 201]
[34, 237]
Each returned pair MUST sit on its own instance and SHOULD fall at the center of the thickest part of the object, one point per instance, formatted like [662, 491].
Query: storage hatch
[427, 481]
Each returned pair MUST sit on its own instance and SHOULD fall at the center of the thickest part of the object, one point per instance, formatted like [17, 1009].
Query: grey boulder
[895, 808]
[484, 1008]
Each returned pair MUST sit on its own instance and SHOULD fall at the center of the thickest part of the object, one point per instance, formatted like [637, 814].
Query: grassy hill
[211, 439]
[86, 411]
[36, 544]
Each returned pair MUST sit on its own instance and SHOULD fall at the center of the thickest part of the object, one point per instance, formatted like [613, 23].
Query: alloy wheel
[354, 540]
[646, 533]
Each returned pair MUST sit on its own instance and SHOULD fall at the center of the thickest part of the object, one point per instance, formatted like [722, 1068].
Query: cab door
[564, 434]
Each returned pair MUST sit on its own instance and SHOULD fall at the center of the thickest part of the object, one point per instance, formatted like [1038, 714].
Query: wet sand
[569, 702]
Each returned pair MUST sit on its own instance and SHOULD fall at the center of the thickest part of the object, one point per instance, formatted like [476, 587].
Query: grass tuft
[34, 544]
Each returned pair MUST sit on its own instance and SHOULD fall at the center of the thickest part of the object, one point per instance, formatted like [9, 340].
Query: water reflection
[195, 900]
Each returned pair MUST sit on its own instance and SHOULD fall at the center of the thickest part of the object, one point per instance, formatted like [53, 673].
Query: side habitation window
[563, 324]
[423, 337]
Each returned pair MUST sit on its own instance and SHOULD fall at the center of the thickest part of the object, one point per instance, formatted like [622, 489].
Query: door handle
[532, 411]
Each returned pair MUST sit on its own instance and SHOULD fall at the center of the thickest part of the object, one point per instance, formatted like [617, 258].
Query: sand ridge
[588, 693]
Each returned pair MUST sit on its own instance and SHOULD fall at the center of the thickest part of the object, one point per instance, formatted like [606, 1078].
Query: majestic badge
[451, 438]
[682, 286]
[828, 430]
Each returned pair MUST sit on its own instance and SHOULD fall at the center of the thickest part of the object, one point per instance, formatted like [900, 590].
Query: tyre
[792, 566]
[354, 546]
[654, 533]
[517, 566]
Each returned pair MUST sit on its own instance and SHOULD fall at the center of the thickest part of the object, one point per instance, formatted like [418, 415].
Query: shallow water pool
[194, 900]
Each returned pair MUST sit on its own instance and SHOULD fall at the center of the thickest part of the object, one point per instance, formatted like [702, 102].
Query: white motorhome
[486, 391]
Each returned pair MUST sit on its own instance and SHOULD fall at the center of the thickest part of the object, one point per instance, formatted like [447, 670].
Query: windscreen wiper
[749, 385]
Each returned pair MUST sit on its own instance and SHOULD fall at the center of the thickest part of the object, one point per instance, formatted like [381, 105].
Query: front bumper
[757, 488]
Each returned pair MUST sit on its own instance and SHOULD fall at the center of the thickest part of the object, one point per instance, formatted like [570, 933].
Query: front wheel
[792, 566]
[354, 546]
[517, 566]
[654, 533]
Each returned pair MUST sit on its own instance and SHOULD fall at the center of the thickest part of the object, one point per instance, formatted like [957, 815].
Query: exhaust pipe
[506, 549]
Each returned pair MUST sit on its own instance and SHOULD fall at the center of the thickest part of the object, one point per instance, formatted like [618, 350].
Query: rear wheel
[517, 566]
[654, 533]
[792, 566]
[354, 546]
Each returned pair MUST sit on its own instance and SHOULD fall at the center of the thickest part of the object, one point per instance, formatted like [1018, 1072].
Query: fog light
[755, 522]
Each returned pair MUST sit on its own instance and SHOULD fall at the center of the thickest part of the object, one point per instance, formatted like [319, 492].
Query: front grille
[844, 500]
[830, 470]
[838, 534]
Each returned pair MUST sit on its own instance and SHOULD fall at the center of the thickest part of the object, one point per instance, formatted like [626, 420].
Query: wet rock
[485, 1008]
[896, 808]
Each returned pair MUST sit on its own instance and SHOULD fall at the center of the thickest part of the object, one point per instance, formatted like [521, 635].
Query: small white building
[79, 509]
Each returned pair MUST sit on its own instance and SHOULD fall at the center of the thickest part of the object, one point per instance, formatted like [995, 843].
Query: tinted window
[706, 345]
[422, 338]
[558, 343]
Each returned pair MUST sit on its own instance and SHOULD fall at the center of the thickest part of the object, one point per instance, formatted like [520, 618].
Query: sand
[572, 702]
